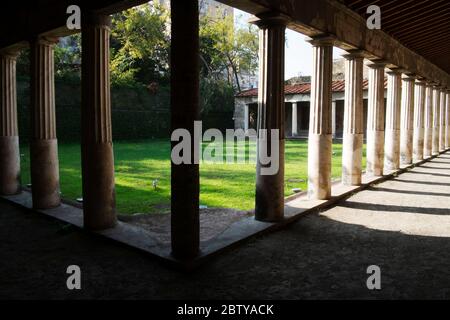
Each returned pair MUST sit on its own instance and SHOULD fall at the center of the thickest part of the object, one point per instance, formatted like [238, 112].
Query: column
[320, 131]
[436, 119]
[294, 119]
[9, 136]
[353, 119]
[442, 120]
[269, 202]
[447, 127]
[419, 121]
[392, 134]
[43, 142]
[428, 121]
[333, 119]
[407, 120]
[184, 79]
[97, 155]
[246, 117]
[375, 119]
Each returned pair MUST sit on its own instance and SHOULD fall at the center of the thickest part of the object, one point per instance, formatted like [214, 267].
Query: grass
[138, 163]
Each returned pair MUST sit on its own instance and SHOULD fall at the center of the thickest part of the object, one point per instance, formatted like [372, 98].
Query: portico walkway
[401, 225]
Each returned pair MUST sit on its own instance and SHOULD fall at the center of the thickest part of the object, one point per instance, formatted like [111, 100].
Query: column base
[435, 145]
[375, 152]
[269, 198]
[352, 159]
[45, 174]
[406, 141]
[99, 203]
[9, 165]
[418, 149]
[319, 166]
[392, 150]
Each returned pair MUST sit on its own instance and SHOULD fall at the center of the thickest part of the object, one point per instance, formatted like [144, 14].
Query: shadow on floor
[314, 258]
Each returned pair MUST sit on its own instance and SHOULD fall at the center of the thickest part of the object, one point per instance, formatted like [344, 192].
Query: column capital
[409, 77]
[322, 40]
[394, 71]
[354, 54]
[376, 64]
[269, 19]
[10, 54]
[45, 40]
[421, 82]
[430, 84]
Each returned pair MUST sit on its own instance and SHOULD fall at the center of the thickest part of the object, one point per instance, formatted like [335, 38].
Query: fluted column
[9, 136]
[353, 119]
[419, 121]
[184, 104]
[407, 120]
[97, 148]
[447, 127]
[442, 120]
[43, 144]
[392, 135]
[320, 123]
[375, 119]
[428, 122]
[269, 202]
[436, 119]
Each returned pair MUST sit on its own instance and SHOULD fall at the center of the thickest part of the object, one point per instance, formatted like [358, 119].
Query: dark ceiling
[421, 25]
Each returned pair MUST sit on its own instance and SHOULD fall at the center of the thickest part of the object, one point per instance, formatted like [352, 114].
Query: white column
[269, 196]
[447, 127]
[442, 120]
[375, 119]
[294, 119]
[353, 120]
[319, 140]
[428, 122]
[436, 119]
[407, 118]
[246, 118]
[392, 134]
[333, 119]
[419, 121]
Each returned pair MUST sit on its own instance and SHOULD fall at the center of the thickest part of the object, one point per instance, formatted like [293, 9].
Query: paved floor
[403, 226]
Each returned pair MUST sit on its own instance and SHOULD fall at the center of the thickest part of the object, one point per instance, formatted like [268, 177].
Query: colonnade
[415, 125]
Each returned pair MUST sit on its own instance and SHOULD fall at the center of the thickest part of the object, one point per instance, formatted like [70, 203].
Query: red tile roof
[304, 88]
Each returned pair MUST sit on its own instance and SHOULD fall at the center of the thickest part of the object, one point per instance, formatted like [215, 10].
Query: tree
[226, 50]
[68, 57]
[140, 45]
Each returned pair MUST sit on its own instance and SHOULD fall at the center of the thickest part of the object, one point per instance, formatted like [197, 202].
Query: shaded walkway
[402, 225]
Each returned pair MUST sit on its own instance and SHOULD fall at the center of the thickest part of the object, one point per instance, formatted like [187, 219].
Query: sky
[298, 55]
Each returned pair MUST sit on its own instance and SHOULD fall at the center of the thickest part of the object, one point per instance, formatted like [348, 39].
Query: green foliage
[68, 58]
[23, 64]
[140, 45]
[216, 96]
[226, 49]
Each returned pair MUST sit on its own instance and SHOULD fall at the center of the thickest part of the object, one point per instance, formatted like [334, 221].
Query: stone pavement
[401, 225]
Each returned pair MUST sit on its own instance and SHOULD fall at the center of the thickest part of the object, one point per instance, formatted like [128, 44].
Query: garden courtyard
[139, 163]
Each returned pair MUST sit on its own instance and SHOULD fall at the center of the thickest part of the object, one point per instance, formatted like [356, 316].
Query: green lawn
[137, 164]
